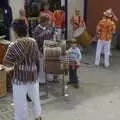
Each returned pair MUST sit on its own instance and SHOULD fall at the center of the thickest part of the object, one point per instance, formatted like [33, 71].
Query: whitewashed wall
[72, 5]
[16, 6]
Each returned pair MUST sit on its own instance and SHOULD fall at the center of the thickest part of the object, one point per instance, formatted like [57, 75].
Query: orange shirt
[59, 18]
[105, 29]
[77, 21]
[50, 15]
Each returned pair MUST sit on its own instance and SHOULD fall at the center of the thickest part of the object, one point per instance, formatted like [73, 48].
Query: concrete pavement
[97, 99]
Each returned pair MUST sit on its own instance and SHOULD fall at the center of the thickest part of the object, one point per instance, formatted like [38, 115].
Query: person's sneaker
[96, 65]
[110, 54]
[28, 98]
[69, 83]
[106, 66]
[39, 118]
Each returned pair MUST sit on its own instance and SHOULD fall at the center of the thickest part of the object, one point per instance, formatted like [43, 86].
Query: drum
[52, 53]
[78, 32]
[84, 39]
[53, 66]
[52, 49]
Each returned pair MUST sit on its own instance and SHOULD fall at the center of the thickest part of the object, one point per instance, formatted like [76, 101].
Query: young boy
[75, 57]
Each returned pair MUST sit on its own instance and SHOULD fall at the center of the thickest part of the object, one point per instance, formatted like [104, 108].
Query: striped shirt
[23, 54]
[42, 33]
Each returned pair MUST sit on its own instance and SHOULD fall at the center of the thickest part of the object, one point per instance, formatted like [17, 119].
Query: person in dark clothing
[7, 16]
[43, 32]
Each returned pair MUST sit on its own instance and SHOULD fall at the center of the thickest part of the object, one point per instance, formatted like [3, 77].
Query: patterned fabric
[41, 34]
[77, 22]
[59, 18]
[105, 29]
[23, 54]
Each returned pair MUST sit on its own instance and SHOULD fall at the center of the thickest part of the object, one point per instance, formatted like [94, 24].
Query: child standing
[75, 57]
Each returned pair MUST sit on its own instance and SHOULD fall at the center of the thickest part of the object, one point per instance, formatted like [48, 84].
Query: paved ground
[97, 99]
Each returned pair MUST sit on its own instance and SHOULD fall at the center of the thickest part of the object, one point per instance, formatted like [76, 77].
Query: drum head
[78, 32]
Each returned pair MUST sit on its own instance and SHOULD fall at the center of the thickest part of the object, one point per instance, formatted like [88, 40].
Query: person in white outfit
[105, 29]
[23, 55]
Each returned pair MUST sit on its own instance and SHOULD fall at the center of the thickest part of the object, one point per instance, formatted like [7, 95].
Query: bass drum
[83, 38]
[52, 53]
[78, 32]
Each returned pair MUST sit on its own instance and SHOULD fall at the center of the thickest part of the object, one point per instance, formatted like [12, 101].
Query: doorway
[33, 8]
[94, 10]
[2, 28]
[5, 19]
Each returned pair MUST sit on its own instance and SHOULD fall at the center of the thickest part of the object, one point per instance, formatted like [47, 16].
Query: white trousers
[103, 45]
[41, 73]
[20, 101]
[41, 76]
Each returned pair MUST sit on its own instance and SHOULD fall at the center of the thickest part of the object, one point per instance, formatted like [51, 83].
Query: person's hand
[2, 67]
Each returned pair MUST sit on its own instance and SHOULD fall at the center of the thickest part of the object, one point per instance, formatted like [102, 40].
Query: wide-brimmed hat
[108, 13]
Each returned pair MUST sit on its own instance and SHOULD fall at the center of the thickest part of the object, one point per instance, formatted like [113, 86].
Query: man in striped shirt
[43, 32]
[23, 54]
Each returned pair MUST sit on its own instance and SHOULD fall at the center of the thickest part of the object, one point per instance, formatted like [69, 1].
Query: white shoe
[96, 65]
[106, 66]
[110, 54]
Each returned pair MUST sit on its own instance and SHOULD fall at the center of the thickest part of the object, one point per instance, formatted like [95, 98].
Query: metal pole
[66, 19]
[85, 10]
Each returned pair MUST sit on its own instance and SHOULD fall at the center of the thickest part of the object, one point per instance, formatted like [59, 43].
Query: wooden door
[95, 9]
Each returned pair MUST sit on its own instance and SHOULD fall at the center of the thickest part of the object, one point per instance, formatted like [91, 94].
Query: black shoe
[69, 83]
[28, 98]
[76, 86]
[54, 81]
[39, 118]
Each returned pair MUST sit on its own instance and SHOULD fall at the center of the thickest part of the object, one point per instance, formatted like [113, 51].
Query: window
[33, 7]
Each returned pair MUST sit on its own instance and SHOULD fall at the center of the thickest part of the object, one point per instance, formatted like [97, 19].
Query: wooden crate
[3, 84]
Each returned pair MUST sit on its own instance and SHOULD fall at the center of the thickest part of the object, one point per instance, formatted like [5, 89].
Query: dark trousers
[7, 33]
[73, 75]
